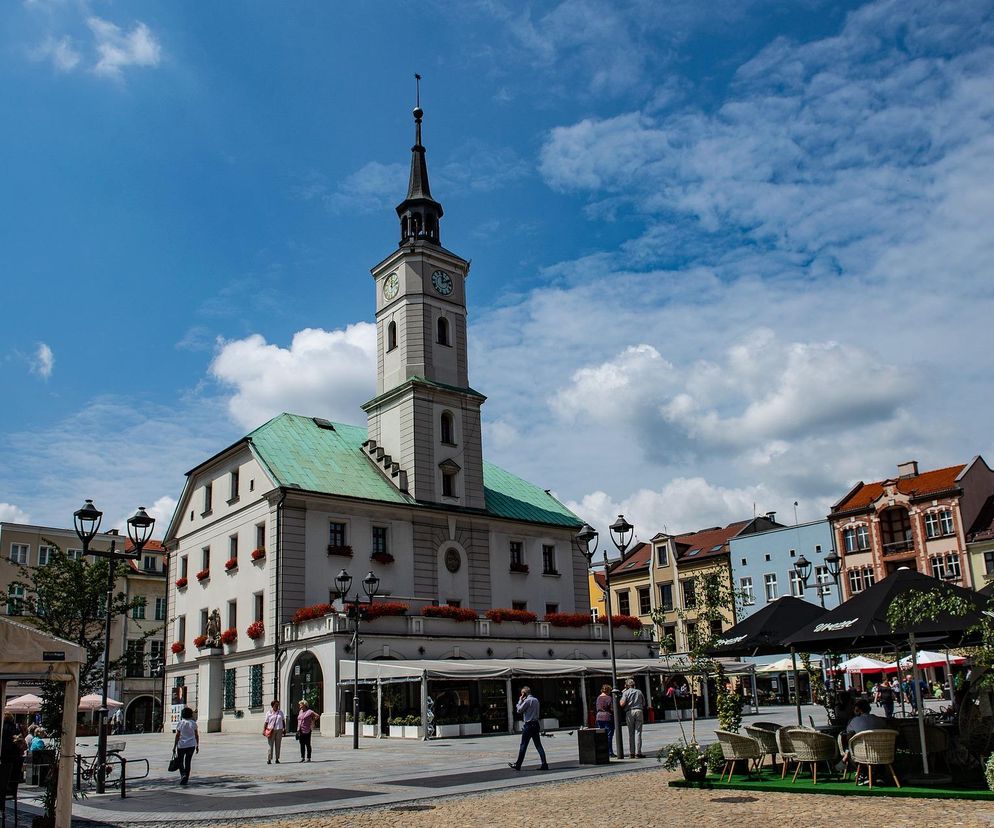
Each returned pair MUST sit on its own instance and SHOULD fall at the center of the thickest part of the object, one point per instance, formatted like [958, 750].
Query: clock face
[391, 285]
[453, 560]
[442, 282]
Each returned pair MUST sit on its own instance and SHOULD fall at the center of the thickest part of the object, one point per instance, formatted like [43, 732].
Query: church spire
[419, 212]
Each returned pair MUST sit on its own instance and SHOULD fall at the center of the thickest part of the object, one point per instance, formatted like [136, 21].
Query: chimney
[771, 517]
[907, 469]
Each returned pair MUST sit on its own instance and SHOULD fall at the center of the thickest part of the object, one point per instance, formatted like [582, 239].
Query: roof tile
[937, 480]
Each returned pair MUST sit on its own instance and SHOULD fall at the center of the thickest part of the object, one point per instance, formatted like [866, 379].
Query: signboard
[53, 655]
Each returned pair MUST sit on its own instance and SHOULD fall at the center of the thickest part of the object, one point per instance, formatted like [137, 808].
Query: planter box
[387, 625]
[548, 724]
[681, 715]
[364, 729]
[448, 627]
[576, 633]
[446, 731]
[471, 729]
[404, 731]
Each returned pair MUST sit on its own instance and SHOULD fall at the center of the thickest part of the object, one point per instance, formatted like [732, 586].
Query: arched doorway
[307, 683]
[143, 715]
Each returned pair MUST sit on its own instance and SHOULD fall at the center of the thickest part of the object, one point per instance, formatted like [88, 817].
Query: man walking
[633, 703]
[530, 730]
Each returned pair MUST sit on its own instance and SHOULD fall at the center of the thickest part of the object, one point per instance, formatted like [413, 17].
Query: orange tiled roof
[637, 559]
[708, 542]
[151, 546]
[937, 480]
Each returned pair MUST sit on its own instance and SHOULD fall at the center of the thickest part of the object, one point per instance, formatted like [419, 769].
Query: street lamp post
[621, 536]
[87, 523]
[354, 606]
[802, 567]
[834, 563]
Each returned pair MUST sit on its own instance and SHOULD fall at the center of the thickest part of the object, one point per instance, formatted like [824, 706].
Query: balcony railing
[895, 547]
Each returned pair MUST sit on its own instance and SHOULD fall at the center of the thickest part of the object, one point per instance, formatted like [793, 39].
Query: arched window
[391, 336]
[443, 331]
[448, 433]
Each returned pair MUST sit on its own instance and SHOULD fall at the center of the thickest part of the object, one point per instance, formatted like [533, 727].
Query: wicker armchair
[874, 747]
[736, 747]
[767, 739]
[785, 747]
[811, 748]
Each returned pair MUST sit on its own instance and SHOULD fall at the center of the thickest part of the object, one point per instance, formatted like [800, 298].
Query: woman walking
[273, 730]
[604, 705]
[306, 719]
[187, 743]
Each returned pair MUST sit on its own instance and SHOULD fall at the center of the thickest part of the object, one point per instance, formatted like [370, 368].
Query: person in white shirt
[187, 743]
[633, 703]
[528, 707]
[273, 730]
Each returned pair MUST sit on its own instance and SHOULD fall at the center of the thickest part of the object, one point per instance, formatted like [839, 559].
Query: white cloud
[323, 373]
[162, 510]
[43, 361]
[374, 186]
[13, 514]
[118, 49]
[60, 51]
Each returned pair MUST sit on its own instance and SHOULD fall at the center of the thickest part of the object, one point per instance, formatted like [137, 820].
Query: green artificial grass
[771, 781]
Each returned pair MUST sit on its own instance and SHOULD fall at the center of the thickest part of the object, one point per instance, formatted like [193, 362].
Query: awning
[387, 671]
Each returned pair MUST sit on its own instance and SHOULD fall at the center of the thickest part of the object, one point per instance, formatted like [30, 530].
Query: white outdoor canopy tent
[26, 653]
[390, 672]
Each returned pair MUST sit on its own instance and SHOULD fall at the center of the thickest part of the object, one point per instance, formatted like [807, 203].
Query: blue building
[763, 566]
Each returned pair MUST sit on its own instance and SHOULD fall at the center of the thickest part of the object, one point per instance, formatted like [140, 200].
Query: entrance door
[307, 683]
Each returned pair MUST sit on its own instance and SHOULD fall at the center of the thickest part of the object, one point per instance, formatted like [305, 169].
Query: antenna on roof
[795, 513]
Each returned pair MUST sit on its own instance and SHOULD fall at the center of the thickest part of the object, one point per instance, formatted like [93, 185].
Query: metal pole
[102, 732]
[615, 692]
[355, 691]
[916, 688]
[797, 685]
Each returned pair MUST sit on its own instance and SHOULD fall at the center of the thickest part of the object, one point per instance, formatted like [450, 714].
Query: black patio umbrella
[861, 623]
[763, 633]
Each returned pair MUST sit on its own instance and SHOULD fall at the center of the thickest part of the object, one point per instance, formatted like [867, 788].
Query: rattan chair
[767, 739]
[874, 747]
[785, 748]
[811, 748]
[735, 747]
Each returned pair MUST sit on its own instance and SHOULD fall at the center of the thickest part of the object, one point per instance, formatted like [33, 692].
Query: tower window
[448, 433]
[443, 331]
[391, 336]
[448, 484]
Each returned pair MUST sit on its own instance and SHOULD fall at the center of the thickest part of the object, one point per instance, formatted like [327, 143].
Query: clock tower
[424, 423]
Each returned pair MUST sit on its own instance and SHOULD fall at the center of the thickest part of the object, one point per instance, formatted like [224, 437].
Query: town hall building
[263, 528]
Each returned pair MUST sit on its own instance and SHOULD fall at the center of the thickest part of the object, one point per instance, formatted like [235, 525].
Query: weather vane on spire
[417, 84]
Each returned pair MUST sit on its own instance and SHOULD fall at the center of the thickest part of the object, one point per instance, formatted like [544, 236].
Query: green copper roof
[298, 452]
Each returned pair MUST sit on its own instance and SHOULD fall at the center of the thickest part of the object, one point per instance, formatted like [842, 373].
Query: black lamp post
[834, 563]
[621, 536]
[802, 567]
[87, 523]
[354, 608]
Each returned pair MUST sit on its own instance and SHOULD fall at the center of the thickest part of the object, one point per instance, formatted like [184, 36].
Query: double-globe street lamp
[87, 523]
[802, 567]
[622, 533]
[354, 608]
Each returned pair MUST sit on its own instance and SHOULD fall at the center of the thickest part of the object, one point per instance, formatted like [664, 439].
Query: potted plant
[256, 630]
[229, 636]
[343, 551]
[446, 727]
[177, 647]
[203, 575]
[200, 642]
[405, 727]
[519, 567]
[181, 583]
[550, 721]
[470, 726]
[500, 615]
[453, 613]
[231, 563]
[382, 557]
[258, 554]
[692, 759]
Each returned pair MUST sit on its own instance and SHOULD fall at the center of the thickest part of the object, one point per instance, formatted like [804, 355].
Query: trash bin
[593, 746]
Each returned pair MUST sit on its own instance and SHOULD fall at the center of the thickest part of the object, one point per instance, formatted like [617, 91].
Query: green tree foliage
[66, 598]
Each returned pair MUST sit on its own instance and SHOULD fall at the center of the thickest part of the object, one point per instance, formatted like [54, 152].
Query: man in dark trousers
[530, 729]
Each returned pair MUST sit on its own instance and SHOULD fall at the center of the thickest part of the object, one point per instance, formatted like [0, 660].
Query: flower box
[256, 630]
[404, 727]
[446, 731]
[471, 729]
[341, 551]
[521, 568]
[365, 729]
[231, 563]
[203, 575]
[381, 609]
[629, 621]
[311, 612]
[521, 616]
[177, 647]
[405, 731]
[258, 554]
[200, 642]
[568, 619]
[452, 613]
[382, 557]
[181, 583]
[229, 636]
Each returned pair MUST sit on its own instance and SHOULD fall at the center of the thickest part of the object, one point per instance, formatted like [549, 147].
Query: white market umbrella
[784, 665]
[860, 664]
[93, 701]
[28, 703]
[927, 658]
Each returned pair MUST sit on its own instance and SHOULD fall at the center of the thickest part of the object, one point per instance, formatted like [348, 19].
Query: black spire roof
[419, 213]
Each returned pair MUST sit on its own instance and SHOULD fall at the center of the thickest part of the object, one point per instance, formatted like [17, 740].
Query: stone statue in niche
[214, 629]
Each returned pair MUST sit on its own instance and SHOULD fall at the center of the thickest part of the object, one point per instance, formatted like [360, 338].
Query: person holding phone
[528, 707]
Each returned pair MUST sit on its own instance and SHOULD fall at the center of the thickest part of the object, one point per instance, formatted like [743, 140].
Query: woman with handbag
[186, 744]
[274, 729]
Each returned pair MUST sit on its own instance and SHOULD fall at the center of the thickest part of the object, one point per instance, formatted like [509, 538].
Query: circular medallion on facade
[453, 560]
[391, 285]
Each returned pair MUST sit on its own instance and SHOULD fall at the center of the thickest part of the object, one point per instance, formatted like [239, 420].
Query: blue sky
[722, 256]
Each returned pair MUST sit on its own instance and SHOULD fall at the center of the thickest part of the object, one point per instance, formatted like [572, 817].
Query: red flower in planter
[181, 582]
[499, 615]
[229, 636]
[230, 564]
[629, 621]
[445, 611]
[258, 554]
[519, 567]
[342, 551]
[382, 557]
[568, 619]
[200, 642]
[311, 612]
[381, 609]
[203, 575]
[177, 647]
[255, 630]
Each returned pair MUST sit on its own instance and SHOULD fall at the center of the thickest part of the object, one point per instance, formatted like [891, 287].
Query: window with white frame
[19, 553]
[624, 604]
[148, 563]
[796, 584]
[138, 610]
[989, 563]
[160, 609]
[860, 578]
[772, 590]
[549, 559]
[260, 536]
[517, 553]
[946, 521]
[380, 540]
[689, 593]
[666, 597]
[856, 538]
[823, 578]
[946, 567]
[748, 591]
[45, 554]
[205, 558]
[74, 554]
[233, 486]
[645, 601]
[336, 534]
[233, 547]
[663, 554]
[208, 497]
[15, 600]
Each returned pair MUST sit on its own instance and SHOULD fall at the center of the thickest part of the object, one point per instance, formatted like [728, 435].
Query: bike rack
[124, 762]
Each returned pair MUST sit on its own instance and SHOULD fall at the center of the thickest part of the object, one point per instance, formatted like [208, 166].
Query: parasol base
[927, 780]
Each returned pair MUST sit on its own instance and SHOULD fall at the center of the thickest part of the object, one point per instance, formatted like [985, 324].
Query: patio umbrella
[783, 665]
[93, 701]
[28, 703]
[762, 633]
[861, 623]
[926, 659]
[859, 664]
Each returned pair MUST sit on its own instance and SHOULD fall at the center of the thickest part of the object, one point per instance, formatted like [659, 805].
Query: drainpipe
[277, 626]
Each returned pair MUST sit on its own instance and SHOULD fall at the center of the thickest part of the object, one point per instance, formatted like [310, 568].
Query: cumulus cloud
[118, 49]
[43, 361]
[162, 510]
[61, 52]
[13, 514]
[323, 373]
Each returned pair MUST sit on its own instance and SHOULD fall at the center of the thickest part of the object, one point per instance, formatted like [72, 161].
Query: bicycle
[87, 767]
